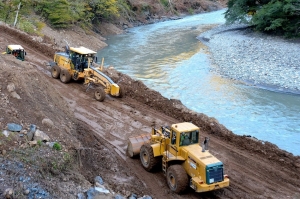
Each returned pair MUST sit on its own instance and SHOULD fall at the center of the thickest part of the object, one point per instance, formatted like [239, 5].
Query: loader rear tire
[177, 178]
[55, 72]
[100, 94]
[65, 76]
[147, 158]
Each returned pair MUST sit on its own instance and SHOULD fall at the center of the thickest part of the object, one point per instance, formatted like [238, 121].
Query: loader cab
[17, 51]
[184, 134]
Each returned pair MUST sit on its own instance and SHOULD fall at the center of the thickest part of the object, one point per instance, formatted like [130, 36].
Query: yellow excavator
[80, 64]
[176, 149]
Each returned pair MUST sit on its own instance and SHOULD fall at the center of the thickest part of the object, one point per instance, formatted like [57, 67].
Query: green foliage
[279, 17]
[103, 9]
[57, 12]
[9, 10]
[61, 163]
[26, 26]
[64, 13]
[57, 146]
[125, 10]
[39, 143]
[68, 159]
[191, 11]
[44, 158]
[276, 16]
[238, 10]
[61, 13]
[145, 7]
[165, 3]
[25, 155]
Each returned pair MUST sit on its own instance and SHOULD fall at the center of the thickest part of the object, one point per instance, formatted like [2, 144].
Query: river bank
[98, 132]
[260, 60]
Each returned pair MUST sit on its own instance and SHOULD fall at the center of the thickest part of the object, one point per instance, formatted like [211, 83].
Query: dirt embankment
[96, 134]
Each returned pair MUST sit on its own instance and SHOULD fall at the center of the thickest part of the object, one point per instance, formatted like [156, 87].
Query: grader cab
[80, 64]
[176, 149]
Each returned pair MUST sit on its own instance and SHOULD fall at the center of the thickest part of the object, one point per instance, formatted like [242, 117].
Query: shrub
[39, 142]
[57, 146]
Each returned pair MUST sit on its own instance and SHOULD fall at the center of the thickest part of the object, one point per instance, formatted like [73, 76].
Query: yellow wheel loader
[79, 64]
[176, 149]
[16, 50]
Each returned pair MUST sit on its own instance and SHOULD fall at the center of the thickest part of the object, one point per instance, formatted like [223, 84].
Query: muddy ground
[95, 134]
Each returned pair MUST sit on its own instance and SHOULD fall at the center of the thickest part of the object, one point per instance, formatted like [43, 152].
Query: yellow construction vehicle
[80, 64]
[184, 162]
[16, 50]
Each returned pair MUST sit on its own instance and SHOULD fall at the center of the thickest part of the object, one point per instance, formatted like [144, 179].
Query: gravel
[270, 62]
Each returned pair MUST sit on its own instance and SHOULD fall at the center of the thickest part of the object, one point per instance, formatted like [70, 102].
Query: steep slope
[96, 134]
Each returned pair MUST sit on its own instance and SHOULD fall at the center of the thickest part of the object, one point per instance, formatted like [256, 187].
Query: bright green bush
[57, 146]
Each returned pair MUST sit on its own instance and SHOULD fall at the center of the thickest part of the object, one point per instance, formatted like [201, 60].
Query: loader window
[187, 138]
[184, 139]
[173, 141]
[194, 137]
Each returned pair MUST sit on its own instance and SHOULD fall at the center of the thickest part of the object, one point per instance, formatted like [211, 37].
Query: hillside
[93, 135]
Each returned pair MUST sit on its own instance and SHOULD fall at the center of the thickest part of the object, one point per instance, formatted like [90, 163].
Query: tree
[57, 12]
[279, 16]
[8, 9]
[103, 9]
[63, 13]
[275, 16]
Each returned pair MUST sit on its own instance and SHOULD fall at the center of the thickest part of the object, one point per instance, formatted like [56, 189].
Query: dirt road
[256, 169]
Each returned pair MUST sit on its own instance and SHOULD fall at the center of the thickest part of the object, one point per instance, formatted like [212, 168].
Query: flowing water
[168, 58]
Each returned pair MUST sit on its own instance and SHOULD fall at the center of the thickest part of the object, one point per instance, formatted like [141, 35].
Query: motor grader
[16, 50]
[176, 149]
[80, 64]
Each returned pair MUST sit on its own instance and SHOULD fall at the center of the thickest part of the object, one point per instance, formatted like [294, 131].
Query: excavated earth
[96, 133]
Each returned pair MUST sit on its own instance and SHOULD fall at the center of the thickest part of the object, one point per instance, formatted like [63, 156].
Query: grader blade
[135, 144]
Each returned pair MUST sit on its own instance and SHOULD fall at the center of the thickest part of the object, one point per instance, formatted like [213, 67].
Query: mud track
[256, 169]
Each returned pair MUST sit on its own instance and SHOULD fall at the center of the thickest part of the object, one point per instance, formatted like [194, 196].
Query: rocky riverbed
[269, 62]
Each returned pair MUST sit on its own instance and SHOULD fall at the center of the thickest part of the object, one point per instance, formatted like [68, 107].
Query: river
[168, 58]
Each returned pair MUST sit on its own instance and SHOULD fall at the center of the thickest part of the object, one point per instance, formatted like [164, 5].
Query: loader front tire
[55, 72]
[177, 178]
[100, 94]
[147, 158]
[65, 76]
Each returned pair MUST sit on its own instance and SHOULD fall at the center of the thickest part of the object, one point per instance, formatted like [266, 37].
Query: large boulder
[41, 136]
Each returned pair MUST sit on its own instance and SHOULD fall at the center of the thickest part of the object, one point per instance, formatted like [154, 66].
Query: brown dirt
[99, 133]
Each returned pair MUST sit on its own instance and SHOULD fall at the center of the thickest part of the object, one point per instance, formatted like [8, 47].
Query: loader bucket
[135, 144]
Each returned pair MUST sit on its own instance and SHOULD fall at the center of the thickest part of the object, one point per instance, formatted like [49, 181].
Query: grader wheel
[65, 76]
[147, 158]
[177, 178]
[100, 94]
[55, 72]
